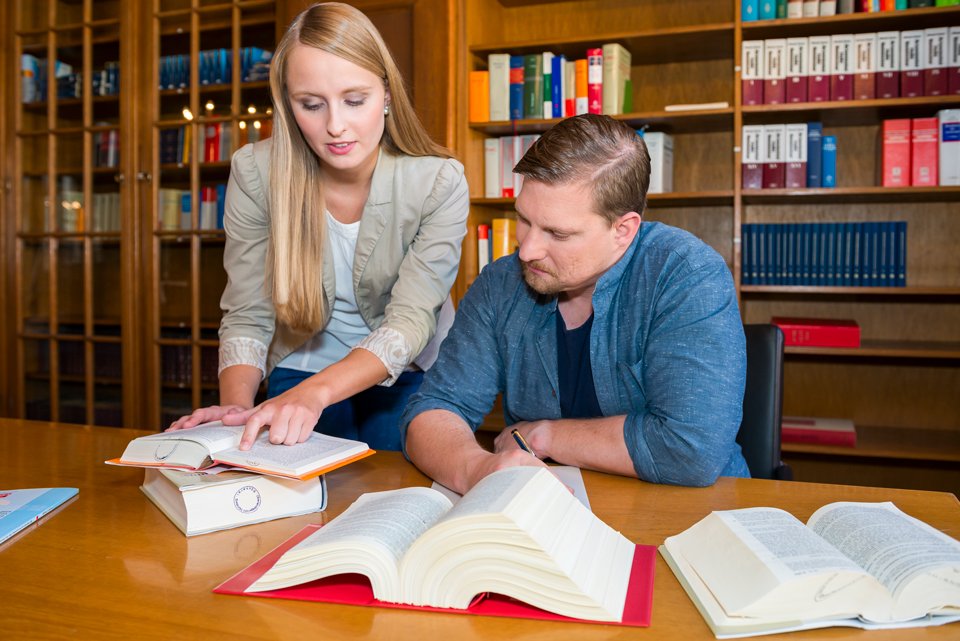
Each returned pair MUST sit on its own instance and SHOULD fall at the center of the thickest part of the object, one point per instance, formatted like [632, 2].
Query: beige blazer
[407, 256]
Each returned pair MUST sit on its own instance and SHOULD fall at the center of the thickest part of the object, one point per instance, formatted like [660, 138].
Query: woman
[343, 237]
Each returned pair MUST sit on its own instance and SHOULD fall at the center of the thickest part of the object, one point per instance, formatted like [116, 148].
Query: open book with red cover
[523, 546]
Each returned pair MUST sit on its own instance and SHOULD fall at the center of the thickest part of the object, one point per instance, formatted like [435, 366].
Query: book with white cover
[198, 503]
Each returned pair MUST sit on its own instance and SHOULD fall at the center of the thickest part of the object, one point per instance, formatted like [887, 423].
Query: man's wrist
[540, 438]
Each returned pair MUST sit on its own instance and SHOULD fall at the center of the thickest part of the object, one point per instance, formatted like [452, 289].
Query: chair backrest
[759, 435]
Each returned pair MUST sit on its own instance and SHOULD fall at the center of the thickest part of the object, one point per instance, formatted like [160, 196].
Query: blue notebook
[20, 508]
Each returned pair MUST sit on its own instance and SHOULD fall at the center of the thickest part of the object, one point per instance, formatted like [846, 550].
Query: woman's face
[338, 107]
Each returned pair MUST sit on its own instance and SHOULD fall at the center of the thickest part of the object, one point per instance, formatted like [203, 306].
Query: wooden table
[110, 566]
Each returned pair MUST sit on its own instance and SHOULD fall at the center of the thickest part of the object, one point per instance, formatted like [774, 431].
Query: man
[618, 346]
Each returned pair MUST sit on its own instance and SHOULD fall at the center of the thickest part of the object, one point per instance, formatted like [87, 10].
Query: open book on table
[519, 538]
[214, 443]
[866, 565]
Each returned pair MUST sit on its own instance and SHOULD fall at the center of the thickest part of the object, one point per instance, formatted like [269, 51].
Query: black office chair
[759, 435]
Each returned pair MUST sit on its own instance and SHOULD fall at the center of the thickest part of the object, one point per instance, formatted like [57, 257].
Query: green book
[781, 9]
[533, 86]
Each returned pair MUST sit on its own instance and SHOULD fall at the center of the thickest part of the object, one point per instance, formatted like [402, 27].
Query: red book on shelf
[933, 57]
[595, 80]
[911, 65]
[895, 162]
[774, 72]
[841, 69]
[818, 82]
[820, 431]
[818, 332]
[774, 156]
[924, 152]
[751, 72]
[888, 64]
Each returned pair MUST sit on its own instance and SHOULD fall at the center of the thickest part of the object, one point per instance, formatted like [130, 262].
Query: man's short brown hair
[605, 153]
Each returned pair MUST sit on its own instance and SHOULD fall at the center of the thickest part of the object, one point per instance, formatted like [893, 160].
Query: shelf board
[851, 195]
[891, 442]
[672, 199]
[847, 112]
[649, 47]
[850, 23]
[945, 292]
[113, 237]
[947, 350]
[671, 121]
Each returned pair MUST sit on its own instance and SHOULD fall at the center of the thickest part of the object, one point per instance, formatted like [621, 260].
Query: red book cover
[354, 589]
[818, 82]
[595, 81]
[818, 332]
[911, 66]
[888, 64]
[211, 142]
[924, 152]
[934, 60]
[895, 162]
[751, 72]
[820, 431]
[774, 71]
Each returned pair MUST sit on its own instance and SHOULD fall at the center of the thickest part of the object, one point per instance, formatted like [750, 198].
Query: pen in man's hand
[521, 442]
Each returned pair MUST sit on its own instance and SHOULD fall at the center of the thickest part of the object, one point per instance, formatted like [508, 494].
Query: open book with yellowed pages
[214, 443]
[866, 565]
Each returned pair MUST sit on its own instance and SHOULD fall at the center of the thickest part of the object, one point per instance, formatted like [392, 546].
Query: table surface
[109, 565]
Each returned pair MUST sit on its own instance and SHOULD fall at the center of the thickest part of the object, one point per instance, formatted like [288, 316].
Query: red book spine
[774, 72]
[819, 333]
[896, 153]
[211, 143]
[818, 82]
[790, 434]
[595, 81]
[924, 148]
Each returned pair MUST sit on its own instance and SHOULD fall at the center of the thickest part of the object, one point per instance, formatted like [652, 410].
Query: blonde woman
[343, 237]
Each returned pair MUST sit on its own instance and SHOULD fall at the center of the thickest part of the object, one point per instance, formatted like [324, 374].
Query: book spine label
[888, 64]
[911, 66]
[751, 69]
[798, 69]
[774, 72]
[595, 81]
[865, 50]
[818, 85]
[841, 72]
[924, 152]
[934, 61]
[896, 153]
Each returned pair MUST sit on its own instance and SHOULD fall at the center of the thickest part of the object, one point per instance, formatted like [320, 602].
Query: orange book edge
[354, 589]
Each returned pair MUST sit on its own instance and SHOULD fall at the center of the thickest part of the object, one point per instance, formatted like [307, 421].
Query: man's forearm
[594, 443]
[442, 445]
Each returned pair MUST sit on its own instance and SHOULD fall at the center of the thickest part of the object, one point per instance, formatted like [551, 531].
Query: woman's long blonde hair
[297, 222]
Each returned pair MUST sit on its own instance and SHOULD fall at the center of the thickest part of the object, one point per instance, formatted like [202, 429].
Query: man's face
[564, 245]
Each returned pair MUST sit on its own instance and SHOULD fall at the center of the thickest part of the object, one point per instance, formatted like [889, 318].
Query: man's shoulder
[666, 244]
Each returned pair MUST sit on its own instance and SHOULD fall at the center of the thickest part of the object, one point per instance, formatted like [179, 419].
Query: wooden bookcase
[901, 387]
[68, 252]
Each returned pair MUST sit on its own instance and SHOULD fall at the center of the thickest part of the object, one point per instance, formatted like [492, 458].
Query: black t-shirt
[578, 396]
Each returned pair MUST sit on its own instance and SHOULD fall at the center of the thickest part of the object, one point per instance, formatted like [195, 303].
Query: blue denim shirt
[667, 350]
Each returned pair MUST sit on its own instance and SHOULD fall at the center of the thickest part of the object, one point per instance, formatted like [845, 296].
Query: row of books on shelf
[500, 156]
[175, 208]
[216, 140]
[33, 78]
[176, 364]
[214, 67]
[74, 216]
[544, 85]
[496, 240]
[751, 10]
[70, 359]
[921, 152]
[867, 254]
[791, 156]
[863, 66]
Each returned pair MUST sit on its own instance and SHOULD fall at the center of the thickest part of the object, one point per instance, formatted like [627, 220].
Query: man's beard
[537, 282]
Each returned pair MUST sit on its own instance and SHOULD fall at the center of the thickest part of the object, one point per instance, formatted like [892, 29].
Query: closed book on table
[888, 64]
[934, 60]
[895, 165]
[798, 68]
[924, 152]
[751, 158]
[818, 82]
[865, 66]
[841, 70]
[774, 71]
[751, 72]
[911, 64]
[199, 503]
[796, 156]
[818, 332]
[774, 156]
[818, 431]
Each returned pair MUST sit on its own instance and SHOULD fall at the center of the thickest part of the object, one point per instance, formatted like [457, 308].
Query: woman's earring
[386, 110]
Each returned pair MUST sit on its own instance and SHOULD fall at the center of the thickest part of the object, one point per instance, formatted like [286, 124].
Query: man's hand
[483, 463]
[536, 434]
[206, 415]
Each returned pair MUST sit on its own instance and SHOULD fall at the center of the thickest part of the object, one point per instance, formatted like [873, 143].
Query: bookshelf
[67, 252]
[900, 386]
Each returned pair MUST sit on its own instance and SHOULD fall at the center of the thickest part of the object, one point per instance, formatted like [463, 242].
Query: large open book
[199, 503]
[210, 444]
[518, 533]
[867, 565]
